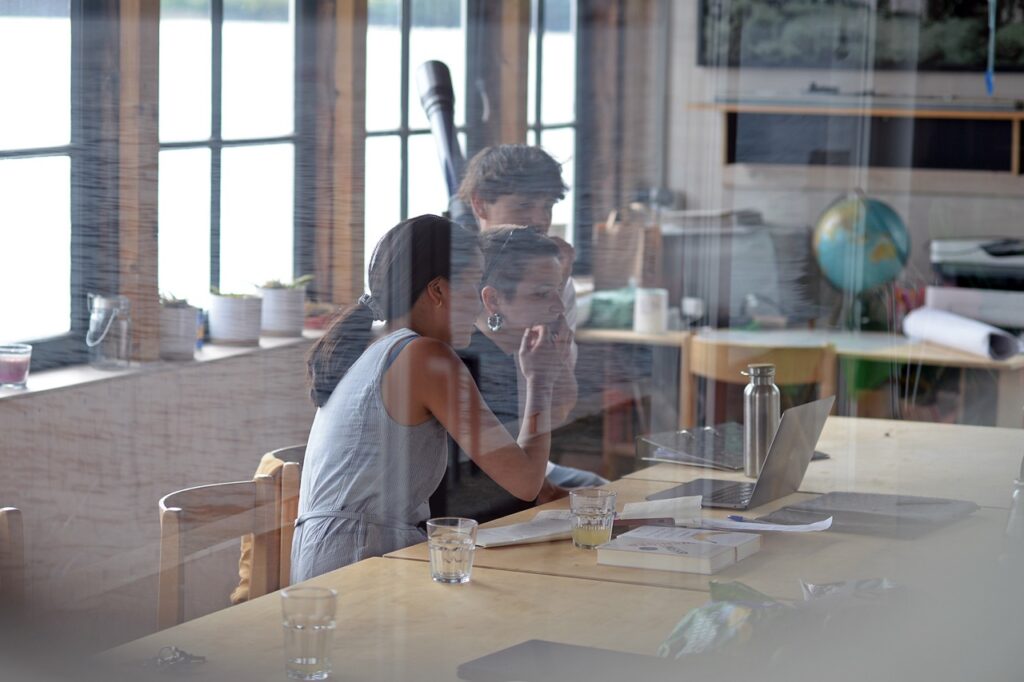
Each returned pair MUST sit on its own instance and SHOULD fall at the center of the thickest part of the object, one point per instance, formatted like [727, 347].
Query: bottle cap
[762, 369]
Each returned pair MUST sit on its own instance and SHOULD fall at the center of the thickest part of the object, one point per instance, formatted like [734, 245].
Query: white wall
[696, 148]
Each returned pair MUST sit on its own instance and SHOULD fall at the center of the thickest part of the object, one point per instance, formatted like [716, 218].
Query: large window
[551, 111]
[227, 145]
[403, 174]
[35, 170]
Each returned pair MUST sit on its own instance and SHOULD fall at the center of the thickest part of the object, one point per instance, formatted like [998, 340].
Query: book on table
[686, 550]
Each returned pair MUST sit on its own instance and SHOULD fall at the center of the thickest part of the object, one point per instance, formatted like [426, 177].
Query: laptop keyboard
[736, 493]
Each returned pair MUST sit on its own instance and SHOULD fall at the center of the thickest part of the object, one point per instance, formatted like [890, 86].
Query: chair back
[12, 559]
[718, 360]
[290, 477]
[198, 518]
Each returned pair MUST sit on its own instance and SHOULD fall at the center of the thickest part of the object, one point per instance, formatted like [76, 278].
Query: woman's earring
[495, 321]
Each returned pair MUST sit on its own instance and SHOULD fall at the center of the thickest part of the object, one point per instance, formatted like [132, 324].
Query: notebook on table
[788, 456]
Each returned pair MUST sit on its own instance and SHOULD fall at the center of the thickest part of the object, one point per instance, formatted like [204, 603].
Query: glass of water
[593, 512]
[452, 541]
[308, 620]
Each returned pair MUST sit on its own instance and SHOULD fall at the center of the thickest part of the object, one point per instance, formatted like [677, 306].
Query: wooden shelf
[903, 136]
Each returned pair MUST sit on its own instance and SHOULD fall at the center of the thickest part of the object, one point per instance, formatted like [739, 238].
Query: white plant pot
[235, 321]
[284, 311]
[178, 330]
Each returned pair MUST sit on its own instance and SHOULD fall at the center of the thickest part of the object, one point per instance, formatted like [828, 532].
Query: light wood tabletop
[975, 463]
[394, 623]
[784, 558]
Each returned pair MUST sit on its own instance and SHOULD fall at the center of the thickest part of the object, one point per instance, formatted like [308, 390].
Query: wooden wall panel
[348, 145]
[139, 152]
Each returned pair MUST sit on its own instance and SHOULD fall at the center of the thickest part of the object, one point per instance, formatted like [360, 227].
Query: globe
[860, 243]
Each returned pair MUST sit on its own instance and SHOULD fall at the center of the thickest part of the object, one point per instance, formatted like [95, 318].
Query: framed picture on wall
[916, 35]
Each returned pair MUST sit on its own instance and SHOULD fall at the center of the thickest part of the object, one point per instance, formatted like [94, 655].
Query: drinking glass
[14, 361]
[452, 542]
[593, 511]
[308, 620]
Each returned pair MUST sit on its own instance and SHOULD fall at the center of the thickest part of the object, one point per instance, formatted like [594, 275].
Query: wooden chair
[723, 361]
[197, 518]
[12, 559]
[289, 477]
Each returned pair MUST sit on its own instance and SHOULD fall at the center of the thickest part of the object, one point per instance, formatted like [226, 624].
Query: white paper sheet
[548, 525]
[962, 333]
[750, 526]
[684, 510]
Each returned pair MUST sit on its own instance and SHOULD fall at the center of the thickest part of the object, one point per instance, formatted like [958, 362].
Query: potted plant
[179, 326]
[284, 307]
[234, 319]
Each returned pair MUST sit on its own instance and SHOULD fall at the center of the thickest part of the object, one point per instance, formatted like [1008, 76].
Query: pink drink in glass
[14, 363]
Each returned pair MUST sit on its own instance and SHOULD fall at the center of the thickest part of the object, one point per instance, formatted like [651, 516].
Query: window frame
[93, 163]
[216, 142]
[403, 132]
[537, 128]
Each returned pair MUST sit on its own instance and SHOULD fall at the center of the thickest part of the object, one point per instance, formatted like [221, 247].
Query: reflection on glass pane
[183, 214]
[185, 60]
[35, 210]
[35, 75]
[383, 182]
[531, 77]
[437, 33]
[427, 190]
[558, 87]
[384, 66]
[256, 216]
[561, 144]
[259, 68]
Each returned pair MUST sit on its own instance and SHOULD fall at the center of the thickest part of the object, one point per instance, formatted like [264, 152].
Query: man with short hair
[517, 184]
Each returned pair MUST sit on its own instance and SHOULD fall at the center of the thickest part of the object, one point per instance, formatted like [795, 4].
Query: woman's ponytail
[337, 350]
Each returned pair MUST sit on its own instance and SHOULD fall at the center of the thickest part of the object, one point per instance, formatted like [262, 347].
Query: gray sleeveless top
[366, 479]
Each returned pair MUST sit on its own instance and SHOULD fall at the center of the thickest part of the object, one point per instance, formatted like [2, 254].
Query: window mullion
[216, 75]
[404, 135]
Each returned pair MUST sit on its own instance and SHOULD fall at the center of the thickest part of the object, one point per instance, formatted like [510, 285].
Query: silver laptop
[784, 465]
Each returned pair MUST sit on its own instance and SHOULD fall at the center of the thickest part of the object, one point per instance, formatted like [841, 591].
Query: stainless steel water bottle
[760, 416]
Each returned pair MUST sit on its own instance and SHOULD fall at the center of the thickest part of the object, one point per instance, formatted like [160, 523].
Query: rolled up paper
[962, 333]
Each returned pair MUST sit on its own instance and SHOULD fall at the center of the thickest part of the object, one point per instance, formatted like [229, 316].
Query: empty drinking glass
[593, 511]
[452, 542]
[308, 620]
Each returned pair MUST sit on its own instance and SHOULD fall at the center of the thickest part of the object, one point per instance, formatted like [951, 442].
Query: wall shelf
[897, 134]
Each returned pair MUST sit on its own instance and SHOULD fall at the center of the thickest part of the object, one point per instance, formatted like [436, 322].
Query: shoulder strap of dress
[391, 353]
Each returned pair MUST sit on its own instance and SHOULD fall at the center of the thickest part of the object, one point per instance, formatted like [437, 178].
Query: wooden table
[784, 559]
[976, 463]
[394, 623]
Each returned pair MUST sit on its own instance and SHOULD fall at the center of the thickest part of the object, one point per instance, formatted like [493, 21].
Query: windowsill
[78, 375]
